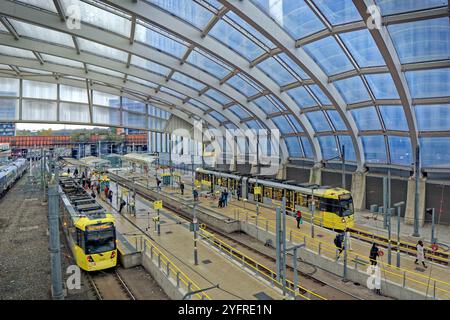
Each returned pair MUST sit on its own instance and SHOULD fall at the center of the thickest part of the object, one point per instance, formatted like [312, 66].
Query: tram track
[109, 285]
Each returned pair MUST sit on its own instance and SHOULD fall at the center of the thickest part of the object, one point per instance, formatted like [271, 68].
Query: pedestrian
[238, 193]
[158, 183]
[373, 254]
[122, 204]
[110, 196]
[75, 173]
[97, 186]
[339, 243]
[225, 198]
[349, 243]
[182, 188]
[420, 254]
[106, 192]
[299, 219]
[68, 170]
[195, 193]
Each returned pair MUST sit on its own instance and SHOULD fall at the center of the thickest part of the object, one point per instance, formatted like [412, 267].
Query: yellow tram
[89, 229]
[333, 206]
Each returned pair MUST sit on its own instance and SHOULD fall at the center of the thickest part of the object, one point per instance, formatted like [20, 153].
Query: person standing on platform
[97, 186]
[158, 184]
[122, 204]
[182, 188]
[238, 193]
[339, 242]
[420, 254]
[110, 196]
[299, 219]
[75, 173]
[68, 170]
[225, 198]
[349, 243]
[106, 191]
[373, 254]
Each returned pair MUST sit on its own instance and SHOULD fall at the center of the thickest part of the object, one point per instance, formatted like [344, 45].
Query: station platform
[176, 242]
[433, 282]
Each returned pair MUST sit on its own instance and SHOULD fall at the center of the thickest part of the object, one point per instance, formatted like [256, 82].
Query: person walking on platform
[110, 196]
[299, 219]
[420, 254]
[122, 204]
[238, 193]
[182, 188]
[75, 173]
[68, 170]
[158, 184]
[339, 243]
[106, 191]
[195, 194]
[373, 254]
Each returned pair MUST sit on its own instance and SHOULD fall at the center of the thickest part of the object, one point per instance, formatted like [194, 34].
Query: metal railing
[400, 276]
[170, 269]
[259, 268]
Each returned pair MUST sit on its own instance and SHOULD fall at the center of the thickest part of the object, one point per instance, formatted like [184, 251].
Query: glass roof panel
[295, 123]
[291, 64]
[283, 125]
[159, 41]
[234, 39]
[252, 31]
[429, 83]
[350, 154]
[389, 7]
[394, 118]
[173, 92]
[424, 40]
[216, 95]
[239, 111]
[149, 65]
[307, 149]
[198, 104]
[105, 99]
[435, 151]
[187, 10]
[433, 117]
[336, 120]
[328, 147]
[133, 105]
[44, 34]
[73, 94]
[374, 149]
[63, 61]
[302, 97]
[208, 64]
[101, 18]
[101, 50]
[266, 105]
[338, 12]
[39, 90]
[363, 48]
[276, 71]
[106, 71]
[253, 124]
[9, 87]
[243, 86]
[187, 81]
[366, 118]
[293, 146]
[46, 5]
[400, 148]
[294, 16]
[352, 89]
[10, 51]
[329, 56]
[382, 86]
[318, 121]
[320, 95]
[216, 115]
[142, 81]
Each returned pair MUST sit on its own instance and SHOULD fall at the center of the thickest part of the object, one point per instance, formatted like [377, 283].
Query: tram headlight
[343, 220]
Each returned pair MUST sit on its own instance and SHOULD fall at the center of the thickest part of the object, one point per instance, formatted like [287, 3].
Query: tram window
[277, 194]
[100, 241]
[80, 238]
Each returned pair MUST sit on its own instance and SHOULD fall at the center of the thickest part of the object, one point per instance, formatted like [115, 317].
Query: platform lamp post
[313, 209]
[431, 211]
[398, 205]
[194, 215]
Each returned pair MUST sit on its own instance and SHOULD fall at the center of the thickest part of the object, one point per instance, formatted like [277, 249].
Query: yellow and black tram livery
[333, 206]
[89, 229]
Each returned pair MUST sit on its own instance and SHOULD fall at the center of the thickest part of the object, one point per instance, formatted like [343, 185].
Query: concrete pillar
[359, 190]
[233, 164]
[315, 174]
[282, 172]
[410, 198]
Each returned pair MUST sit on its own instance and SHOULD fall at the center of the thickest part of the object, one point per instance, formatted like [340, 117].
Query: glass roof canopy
[314, 69]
